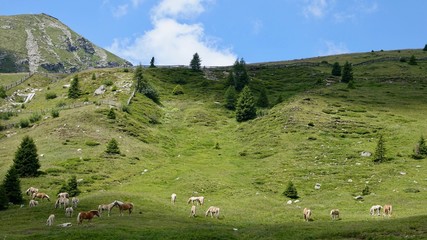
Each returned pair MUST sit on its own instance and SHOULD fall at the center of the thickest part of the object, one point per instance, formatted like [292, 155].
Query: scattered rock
[101, 90]
[289, 202]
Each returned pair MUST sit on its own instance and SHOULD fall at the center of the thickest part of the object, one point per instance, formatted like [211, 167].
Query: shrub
[50, 95]
[412, 60]
[24, 123]
[2, 92]
[379, 155]
[93, 76]
[291, 191]
[178, 90]
[112, 147]
[92, 143]
[111, 114]
[61, 104]
[35, 117]
[54, 113]
[107, 82]
[366, 191]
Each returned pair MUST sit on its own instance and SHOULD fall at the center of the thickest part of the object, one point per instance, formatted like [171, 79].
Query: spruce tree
[74, 90]
[12, 187]
[291, 191]
[380, 151]
[425, 48]
[142, 86]
[138, 78]
[112, 147]
[230, 98]
[4, 201]
[263, 99]
[240, 75]
[2, 92]
[152, 63]
[26, 160]
[336, 69]
[195, 63]
[412, 60]
[245, 108]
[347, 73]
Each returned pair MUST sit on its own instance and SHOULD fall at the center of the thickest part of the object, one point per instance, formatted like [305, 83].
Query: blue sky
[222, 30]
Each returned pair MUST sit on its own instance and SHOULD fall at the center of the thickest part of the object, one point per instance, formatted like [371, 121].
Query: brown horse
[387, 210]
[123, 206]
[41, 196]
[87, 215]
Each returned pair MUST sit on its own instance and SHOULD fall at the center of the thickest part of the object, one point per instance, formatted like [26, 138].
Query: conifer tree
[12, 187]
[279, 99]
[4, 201]
[412, 60]
[112, 147]
[111, 114]
[425, 48]
[240, 75]
[263, 98]
[71, 187]
[195, 63]
[245, 108]
[291, 191]
[2, 92]
[347, 73]
[336, 69]
[380, 151]
[142, 86]
[138, 78]
[26, 160]
[74, 90]
[230, 98]
[152, 63]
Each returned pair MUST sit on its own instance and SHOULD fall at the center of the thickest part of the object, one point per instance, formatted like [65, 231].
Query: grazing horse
[69, 211]
[200, 200]
[50, 220]
[387, 210]
[193, 211]
[75, 201]
[33, 203]
[30, 191]
[87, 215]
[213, 211]
[105, 207]
[335, 214]
[64, 202]
[173, 198]
[375, 209]
[123, 206]
[307, 214]
[63, 195]
[41, 196]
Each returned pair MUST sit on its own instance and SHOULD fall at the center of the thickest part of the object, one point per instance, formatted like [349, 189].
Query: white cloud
[257, 26]
[316, 8]
[172, 42]
[120, 10]
[136, 3]
[334, 48]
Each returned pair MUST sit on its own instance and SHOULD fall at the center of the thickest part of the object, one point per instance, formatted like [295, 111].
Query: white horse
[335, 214]
[50, 220]
[307, 214]
[75, 201]
[30, 191]
[63, 195]
[387, 210]
[105, 207]
[213, 211]
[375, 209]
[200, 200]
[33, 203]
[173, 198]
[64, 202]
[69, 211]
[193, 211]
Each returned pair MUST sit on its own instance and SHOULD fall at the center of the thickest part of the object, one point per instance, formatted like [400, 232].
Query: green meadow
[191, 145]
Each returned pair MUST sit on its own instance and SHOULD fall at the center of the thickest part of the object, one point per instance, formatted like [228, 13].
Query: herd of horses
[63, 201]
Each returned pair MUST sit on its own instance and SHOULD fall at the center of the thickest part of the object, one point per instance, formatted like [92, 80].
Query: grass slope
[314, 136]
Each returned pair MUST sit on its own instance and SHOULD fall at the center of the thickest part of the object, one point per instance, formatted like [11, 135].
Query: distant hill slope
[42, 43]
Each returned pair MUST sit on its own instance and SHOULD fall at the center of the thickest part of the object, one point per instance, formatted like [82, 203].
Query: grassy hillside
[191, 145]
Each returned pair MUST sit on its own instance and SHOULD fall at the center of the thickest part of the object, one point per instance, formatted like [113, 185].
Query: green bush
[92, 143]
[24, 123]
[35, 117]
[111, 114]
[50, 95]
[291, 191]
[54, 113]
[178, 90]
[107, 82]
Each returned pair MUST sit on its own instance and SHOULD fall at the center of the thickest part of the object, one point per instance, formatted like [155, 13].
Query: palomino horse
[375, 209]
[123, 206]
[50, 220]
[213, 211]
[41, 196]
[200, 200]
[335, 214]
[173, 198]
[87, 215]
[69, 211]
[307, 214]
[30, 191]
[64, 202]
[105, 207]
[387, 210]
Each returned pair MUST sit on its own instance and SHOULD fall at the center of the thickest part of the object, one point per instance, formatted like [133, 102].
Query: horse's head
[96, 212]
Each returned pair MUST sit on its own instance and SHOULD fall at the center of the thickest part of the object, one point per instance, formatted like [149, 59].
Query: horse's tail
[78, 217]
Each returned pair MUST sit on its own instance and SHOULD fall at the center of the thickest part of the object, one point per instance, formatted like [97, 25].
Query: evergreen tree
[111, 114]
[240, 75]
[245, 108]
[347, 73]
[152, 63]
[263, 98]
[412, 60]
[138, 78]
[350, 84]
[291, 191]
[4, 201]
[195, 63]
[336, 69]
[422, 146]
[2, 92]
[26, 160]
[112, 147]
[71, 187]
[279, 99]
[142, 86]
[379, 155]
[425, 48]
[12, 187]
[93, 76]
[230, 98]
[74, 90]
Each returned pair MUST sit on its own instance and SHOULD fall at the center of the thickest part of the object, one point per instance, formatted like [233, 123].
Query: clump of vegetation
[380, 151]
[71, 187]
[412, 60]
[92, 143]
[336, 69]
[112, 147]
[230, 98]
[366, 191]
[108, 82]
[111, 114]
[50, 95]
[24, 123]
[2, 92]
[178, 90]
[35, 117]
[291, 191]
[263, 99]
[54, 113]
[144, 87]
[420, 150]
[93, 76]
